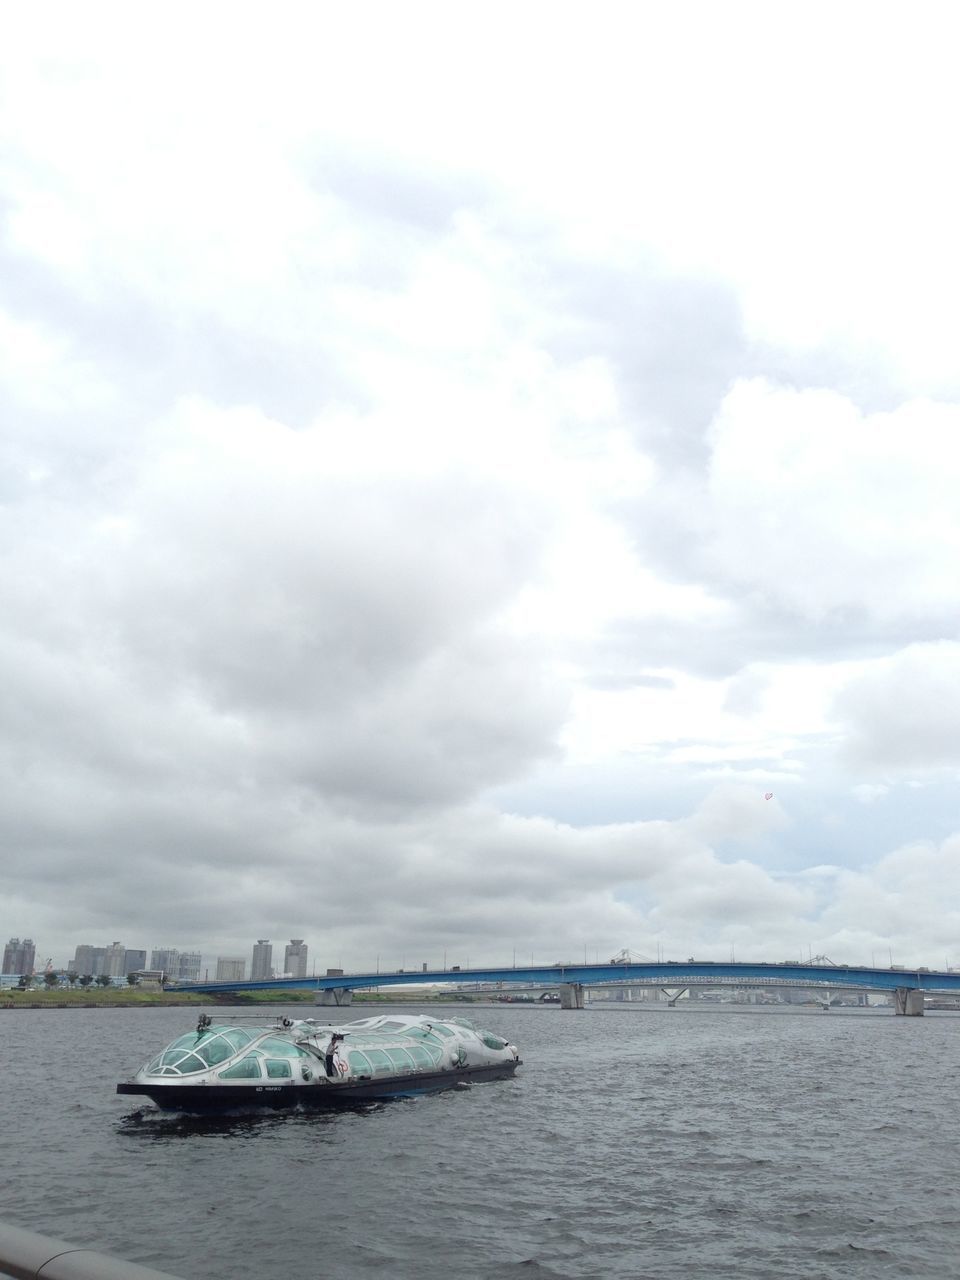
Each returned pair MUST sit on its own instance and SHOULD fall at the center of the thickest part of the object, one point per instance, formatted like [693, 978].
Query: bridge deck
[700, 973]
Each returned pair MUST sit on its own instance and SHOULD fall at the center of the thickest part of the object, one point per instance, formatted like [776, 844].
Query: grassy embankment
[133, 997]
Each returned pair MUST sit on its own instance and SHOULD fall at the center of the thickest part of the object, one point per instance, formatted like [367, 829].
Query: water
[693, 1143]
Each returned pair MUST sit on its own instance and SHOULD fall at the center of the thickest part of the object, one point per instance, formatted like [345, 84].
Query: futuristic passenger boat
[293, 1062]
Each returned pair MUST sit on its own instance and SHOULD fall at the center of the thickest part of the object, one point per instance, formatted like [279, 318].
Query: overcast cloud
[455, 464]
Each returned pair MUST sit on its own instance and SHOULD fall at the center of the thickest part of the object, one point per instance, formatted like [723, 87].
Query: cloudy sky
[456, 461]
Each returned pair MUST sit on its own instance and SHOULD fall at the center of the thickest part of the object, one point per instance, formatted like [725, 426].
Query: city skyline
[117, 960]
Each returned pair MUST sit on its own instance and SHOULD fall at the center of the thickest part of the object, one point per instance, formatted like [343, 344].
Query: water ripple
[698, 1145]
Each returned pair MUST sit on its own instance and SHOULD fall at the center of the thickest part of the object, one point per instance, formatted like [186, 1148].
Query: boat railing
[27, 1255]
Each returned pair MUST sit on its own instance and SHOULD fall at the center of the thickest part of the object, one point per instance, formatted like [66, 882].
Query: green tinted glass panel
[281, 1048]
[376, 1040]
[492, 1041]
[379, 1060]
[420, 1033]
[246, 1069]
[359, 1063]
[400, 1059]
[279, 1069]
[237, 1037]
[190, 1063]
[420, 1056]
[216, 1050]
[442, 1031]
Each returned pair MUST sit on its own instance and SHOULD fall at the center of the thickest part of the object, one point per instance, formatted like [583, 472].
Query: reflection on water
[150, 1123]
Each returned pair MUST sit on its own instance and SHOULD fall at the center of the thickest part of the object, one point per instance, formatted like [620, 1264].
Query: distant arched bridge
[909, 985]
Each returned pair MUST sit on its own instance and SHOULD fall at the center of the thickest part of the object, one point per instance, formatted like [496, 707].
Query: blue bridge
[909, 986]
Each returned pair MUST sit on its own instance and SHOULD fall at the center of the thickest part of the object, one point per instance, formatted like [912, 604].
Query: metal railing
[26, 1255]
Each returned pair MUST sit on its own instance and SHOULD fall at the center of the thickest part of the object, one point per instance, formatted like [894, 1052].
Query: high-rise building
[230, 970]
[18, 957]
[88, 960]
[114, 958]
[261, 966]
[167, 959]
[295, 958]
[189, 967]
[134, 961]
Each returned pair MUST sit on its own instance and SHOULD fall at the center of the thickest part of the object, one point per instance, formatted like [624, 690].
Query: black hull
[207, 1098]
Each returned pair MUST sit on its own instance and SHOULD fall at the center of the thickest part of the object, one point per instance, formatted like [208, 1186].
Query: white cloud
[827, 510]
[900, 714]
[870, 792]
[366, 458]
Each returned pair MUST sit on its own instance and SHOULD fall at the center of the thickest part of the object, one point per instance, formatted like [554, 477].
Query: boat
[304, 1062]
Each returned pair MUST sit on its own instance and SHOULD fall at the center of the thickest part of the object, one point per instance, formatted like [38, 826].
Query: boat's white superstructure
[293, 1061]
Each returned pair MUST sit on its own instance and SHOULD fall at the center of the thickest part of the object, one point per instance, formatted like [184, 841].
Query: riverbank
[132, 998]
[100, 1000]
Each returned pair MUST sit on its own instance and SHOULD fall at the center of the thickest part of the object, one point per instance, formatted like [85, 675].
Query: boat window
[281, 1048]
[236, 1036]
[359, 1064]
[247, 1068]
[442, 1031]
[492, 1041]
[427, 1036]
[393, 1025]
[462, 1022]
[183, 1064]
[214, 1051]
[196, 1052]
[400, 1058]
[420, 1056]
[374, 1040]
[279, 1069]
[379, 1061]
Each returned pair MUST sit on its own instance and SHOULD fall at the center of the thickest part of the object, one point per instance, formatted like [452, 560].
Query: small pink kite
[768, 795]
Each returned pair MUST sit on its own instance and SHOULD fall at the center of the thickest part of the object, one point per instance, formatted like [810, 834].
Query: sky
[456, 462]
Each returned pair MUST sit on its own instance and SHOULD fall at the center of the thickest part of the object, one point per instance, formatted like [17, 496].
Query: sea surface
[698, 1143]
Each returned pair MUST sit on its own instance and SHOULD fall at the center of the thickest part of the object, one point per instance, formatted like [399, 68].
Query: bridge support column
[571, 995]
[334, 996]
[908, 1002]
[672, 999]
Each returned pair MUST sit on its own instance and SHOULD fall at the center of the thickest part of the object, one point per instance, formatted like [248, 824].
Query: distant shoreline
[167, 1000]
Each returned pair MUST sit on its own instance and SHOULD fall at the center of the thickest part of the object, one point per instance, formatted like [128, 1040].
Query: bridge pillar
[908, 1002]
[672, 999]
[334, 995]
[571, 995]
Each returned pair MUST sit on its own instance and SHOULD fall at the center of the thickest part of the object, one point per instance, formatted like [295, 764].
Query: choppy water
[693, 1143]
